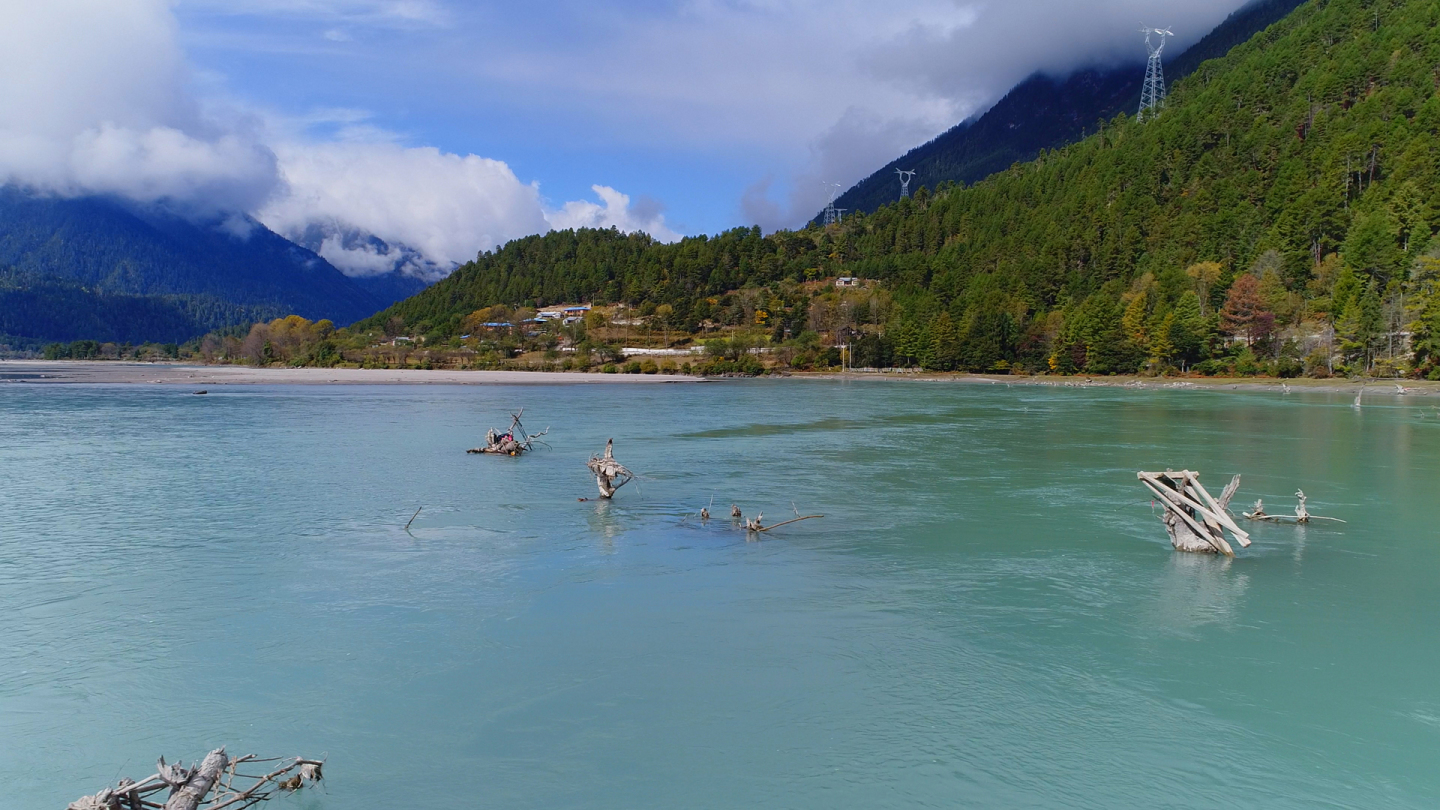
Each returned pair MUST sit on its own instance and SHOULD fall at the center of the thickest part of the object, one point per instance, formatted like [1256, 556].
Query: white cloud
[446, 206]
[163, 163]
[614, 211]
[97, 100]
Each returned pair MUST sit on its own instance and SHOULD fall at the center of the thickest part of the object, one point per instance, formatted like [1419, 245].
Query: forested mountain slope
[90, 253]
[40, 310]
[1044, 112]
[1300, 170]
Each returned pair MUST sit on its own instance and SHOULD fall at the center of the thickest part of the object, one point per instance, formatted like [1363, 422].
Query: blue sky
[452, 126]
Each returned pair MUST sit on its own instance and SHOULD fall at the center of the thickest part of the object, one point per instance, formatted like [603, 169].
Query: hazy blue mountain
[1044, 112]
[390, 271]
[89, 260]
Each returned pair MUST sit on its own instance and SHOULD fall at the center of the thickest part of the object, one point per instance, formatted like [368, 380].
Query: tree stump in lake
[1195, 521]
[610, 474]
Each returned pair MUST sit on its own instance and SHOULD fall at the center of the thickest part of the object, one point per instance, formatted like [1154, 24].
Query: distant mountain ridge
[89, 260]
[390, 271]
[1043, 112]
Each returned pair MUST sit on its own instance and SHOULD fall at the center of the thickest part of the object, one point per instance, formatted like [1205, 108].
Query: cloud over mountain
[99, 99]
[95, 100]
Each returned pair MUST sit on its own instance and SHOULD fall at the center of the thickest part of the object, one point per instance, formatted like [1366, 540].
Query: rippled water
[989, 615]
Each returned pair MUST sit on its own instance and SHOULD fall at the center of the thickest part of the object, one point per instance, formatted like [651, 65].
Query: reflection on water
[990, 615]
[1199, 589]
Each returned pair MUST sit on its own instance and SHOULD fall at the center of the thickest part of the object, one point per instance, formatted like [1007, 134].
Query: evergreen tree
[1244, 314]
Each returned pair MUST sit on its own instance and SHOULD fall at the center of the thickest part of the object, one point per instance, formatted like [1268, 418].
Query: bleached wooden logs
[1195, 521]
[189, 795]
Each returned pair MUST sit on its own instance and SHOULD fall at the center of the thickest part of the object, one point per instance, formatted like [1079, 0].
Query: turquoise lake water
[988, 616]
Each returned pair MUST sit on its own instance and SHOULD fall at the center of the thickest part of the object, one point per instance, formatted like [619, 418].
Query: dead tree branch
[215, 784]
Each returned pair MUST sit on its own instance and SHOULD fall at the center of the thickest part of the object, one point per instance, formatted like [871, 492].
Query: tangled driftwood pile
[215, 784]
[1194, 520]
[512, 442]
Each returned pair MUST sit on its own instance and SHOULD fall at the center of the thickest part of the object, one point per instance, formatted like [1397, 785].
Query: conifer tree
[1244, 314]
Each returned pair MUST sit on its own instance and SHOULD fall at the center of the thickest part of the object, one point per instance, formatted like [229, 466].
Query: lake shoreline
[1298, 384]
[102, 372]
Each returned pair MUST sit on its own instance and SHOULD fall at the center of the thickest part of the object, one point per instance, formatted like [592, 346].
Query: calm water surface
[988, 616]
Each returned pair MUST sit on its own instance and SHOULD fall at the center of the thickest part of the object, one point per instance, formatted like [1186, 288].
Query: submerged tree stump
[610, 475]
[1195, 521]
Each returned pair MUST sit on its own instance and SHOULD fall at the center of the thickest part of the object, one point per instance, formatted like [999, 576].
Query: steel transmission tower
[1152, 97]
[833, 214]
[905, 178]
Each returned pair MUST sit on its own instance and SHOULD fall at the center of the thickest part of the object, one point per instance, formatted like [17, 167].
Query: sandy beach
[102, 372]
[199, 376]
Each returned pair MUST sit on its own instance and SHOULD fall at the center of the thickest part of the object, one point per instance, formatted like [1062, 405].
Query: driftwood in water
[512, 442]
[215, 784]
[1301, 516]
[610, 474]
[757, 526]
[1194, 520]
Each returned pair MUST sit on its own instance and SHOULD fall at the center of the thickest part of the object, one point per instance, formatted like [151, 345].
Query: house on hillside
[847, 281]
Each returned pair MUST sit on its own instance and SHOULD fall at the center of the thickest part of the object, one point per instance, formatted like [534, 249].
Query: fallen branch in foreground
[217, 774]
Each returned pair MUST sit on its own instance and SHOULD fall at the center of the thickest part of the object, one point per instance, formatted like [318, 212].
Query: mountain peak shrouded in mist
[1046, 112]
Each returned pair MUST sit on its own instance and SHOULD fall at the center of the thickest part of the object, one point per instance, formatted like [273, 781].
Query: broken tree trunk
[1195, 521]
[215, 784]
[610, 474]
[189, 795]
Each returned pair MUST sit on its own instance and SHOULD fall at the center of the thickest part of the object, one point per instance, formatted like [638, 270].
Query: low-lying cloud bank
[98, 99]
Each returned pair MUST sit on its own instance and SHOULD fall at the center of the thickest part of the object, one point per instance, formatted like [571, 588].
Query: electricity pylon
[833, 214]
[905, 178]
[1152, 97]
